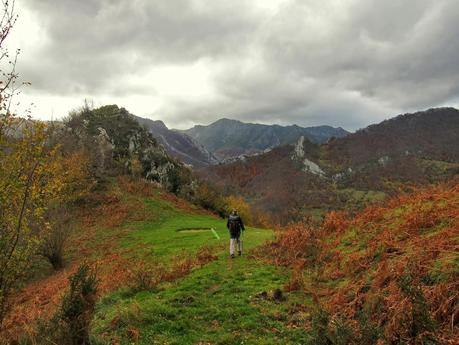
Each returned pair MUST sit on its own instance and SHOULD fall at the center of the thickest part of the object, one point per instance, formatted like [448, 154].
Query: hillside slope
[276, 182]
[348, 172]
[116, 143]
[178, 145]
[164, 277]
[227, 138]
[431, 134]
[388, 275]
[384, 276]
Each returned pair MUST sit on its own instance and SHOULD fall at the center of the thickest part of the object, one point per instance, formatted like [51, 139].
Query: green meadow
[221, 302]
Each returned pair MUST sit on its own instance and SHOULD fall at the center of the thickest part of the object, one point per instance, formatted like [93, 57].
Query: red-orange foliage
[335, 222]
[262, 219]
[296, 281]
[137, 187]
[296, 246]
[39, 300]
[369, 256]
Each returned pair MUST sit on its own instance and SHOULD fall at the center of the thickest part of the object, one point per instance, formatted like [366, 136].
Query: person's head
[234, 212]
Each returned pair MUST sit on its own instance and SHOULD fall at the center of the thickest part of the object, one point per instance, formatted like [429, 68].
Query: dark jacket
[235, 226]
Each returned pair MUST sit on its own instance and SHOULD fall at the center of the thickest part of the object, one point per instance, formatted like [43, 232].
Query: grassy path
[215, 304]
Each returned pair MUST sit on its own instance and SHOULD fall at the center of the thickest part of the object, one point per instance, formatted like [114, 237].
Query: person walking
[235, 226]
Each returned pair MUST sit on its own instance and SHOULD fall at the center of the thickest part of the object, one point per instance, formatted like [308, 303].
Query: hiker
[235, 226]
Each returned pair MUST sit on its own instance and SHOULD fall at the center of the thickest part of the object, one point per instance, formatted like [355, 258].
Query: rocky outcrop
[308, 165]
[119, 142]
[103, 151]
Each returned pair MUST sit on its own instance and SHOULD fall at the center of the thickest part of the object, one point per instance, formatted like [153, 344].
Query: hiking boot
[232, 256]
[239, 253]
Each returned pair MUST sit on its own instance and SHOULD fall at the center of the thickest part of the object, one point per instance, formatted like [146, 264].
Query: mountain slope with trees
[348, 172]
[432, 134]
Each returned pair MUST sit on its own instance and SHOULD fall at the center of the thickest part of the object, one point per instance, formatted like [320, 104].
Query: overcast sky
[345, 63]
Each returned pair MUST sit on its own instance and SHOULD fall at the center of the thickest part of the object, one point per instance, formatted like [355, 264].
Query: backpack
[234, 224]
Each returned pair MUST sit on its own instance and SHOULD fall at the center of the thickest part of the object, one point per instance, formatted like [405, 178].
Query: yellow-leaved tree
[27, 183]
[29, 177]
[238, 203]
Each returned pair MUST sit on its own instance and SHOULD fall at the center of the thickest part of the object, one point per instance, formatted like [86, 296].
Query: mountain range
[346, 172]
[226, 140]
[291, 171]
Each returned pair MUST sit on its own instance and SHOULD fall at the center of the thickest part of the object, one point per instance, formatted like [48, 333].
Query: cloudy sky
[345, 63]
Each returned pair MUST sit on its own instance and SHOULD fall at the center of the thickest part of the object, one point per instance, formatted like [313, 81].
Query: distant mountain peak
[225, 119]
[228, 138]
[405, 151]
[159, 124]
[178, 144]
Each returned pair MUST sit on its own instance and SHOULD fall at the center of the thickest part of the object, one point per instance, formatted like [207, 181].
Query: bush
[296, 246]
[60, 227]
[238, 203]
[328, 330]
[70, 325]
[416, 322]
[144, 276]
[78, 304]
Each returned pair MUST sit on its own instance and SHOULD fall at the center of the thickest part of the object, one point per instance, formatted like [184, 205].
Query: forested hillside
[431, 135]
[348, 172]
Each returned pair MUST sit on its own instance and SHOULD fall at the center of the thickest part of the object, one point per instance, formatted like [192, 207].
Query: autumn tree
[70, 170]
[209, 198]
[29, 179]
[238, 203]
[27, 182]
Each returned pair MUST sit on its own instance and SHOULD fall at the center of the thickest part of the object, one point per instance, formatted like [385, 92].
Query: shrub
[209, 198]
[297, 246]
[144, 277]
[60, 226]
[334, 330]
[416, 322]
[78, 304]
[70, 324]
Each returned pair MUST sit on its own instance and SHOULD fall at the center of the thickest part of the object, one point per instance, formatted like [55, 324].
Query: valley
[229, 172]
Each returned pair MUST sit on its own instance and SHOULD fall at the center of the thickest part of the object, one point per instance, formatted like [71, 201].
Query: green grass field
[215, 304]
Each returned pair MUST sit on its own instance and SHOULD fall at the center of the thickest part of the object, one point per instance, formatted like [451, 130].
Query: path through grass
[215, 304]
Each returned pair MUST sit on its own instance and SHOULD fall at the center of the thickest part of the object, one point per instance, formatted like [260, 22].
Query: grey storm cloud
[90, 44]
[340, 62]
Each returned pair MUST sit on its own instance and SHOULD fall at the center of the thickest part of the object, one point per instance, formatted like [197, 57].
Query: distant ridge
[429, 134]
[227, 138]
